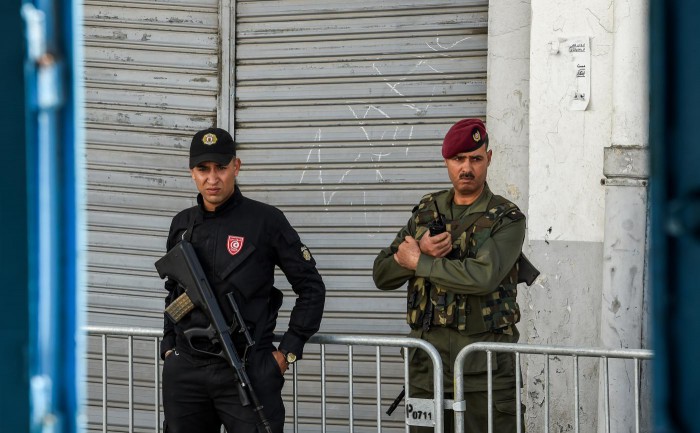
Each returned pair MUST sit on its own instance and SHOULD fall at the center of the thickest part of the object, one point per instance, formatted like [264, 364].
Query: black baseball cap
[212, 144]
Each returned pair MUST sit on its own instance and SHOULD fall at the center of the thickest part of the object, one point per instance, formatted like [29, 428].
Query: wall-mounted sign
[579, 91]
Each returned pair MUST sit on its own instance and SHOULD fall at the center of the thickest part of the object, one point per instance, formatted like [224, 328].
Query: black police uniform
[238, 245]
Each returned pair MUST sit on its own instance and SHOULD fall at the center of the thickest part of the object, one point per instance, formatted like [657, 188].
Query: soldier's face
[467, 172]
[215, 182]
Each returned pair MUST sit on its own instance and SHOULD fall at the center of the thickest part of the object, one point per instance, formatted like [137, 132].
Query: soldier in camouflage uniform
[461, 282]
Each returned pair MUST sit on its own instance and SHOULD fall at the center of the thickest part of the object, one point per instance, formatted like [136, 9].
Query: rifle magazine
[179, 308]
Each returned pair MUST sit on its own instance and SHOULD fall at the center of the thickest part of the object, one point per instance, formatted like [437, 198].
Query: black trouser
[201, 395]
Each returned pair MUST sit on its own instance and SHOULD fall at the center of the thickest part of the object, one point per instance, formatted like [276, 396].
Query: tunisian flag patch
[234, 244]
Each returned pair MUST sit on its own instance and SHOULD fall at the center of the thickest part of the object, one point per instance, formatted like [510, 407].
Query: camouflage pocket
[416, 303]
[462, 311]
[445, 307]
[500, 309]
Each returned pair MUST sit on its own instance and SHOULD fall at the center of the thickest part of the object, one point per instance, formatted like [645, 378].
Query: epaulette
[505, 208]
[500, 207]
[426, 199]
[515, 214]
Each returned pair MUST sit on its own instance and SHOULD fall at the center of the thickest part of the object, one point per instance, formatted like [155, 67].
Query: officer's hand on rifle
[439, 245]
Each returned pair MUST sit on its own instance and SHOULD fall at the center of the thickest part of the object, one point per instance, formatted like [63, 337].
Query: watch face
[291, 358]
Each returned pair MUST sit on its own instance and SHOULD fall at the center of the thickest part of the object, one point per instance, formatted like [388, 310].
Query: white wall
[550, 160]
[566, 147]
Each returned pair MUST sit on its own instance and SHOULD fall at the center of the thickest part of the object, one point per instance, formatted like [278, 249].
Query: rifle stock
[527, 272]
[182, 265]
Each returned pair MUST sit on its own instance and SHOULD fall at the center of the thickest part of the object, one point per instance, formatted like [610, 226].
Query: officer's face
[467, 173]
[215, 182]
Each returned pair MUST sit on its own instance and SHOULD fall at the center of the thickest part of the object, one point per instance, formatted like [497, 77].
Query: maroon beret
[464, 136]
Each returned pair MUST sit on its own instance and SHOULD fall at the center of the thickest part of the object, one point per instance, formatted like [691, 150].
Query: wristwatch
[290, 357]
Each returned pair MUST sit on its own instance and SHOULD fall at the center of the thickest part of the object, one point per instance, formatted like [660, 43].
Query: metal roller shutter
[151, 77]
[340, 109]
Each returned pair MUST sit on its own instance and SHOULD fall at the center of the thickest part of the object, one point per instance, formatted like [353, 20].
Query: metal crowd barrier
[322, 340]
[604, 354]
[403, 342]
[106, 331]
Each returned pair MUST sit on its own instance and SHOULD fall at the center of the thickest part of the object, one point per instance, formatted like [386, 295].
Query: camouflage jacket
[473, 290]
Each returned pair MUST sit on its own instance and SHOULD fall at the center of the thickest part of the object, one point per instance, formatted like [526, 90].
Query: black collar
[231, 203]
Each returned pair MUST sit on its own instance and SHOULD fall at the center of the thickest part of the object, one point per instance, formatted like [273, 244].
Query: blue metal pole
[675, 211]
[658, 184]
[55, 183]
[14, 320]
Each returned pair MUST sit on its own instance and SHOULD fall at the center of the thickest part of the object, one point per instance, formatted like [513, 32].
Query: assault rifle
[182, 265]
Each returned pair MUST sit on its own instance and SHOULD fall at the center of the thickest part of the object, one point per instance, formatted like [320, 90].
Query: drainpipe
[626, 214]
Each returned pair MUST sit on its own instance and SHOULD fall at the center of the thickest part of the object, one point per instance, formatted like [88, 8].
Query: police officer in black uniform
[239, 242]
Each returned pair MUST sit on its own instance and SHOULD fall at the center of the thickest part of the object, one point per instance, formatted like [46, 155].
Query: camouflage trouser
[476, 415]
[449, 342]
